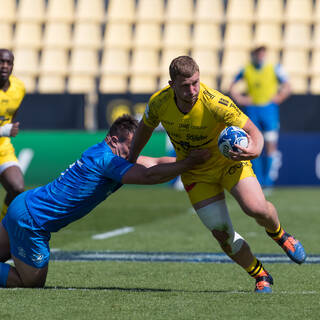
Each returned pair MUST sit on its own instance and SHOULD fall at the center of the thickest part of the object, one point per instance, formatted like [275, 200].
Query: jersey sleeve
[150, 116]
[225, 110]
[116, 167]
[281, 74]
[239, 76]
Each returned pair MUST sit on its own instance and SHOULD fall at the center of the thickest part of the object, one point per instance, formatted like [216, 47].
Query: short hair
[258, 49]
[184, 66]
[123, 126]
[2, 50]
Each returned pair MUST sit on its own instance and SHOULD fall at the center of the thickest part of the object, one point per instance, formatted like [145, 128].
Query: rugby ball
[229, 137]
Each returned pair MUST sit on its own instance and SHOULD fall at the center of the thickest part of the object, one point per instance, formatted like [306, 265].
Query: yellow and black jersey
[198, 129]
[10, 101]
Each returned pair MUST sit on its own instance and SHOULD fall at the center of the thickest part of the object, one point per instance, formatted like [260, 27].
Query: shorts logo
[232, 170]
[21, 252]
[37, 258]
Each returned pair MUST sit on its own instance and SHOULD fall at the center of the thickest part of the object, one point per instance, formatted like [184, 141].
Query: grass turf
[163, 221]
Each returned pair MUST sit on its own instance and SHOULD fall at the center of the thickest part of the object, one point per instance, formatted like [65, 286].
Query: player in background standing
[193, 116]
[12, 92]
[102, 169]
[267, 88]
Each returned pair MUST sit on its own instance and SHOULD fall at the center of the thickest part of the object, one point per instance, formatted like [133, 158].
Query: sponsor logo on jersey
[207, 93]
[223, 101]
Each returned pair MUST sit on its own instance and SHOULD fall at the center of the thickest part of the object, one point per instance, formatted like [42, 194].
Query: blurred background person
[12, 92]
[267, 87]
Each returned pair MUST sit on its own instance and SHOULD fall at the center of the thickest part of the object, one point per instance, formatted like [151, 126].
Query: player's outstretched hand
[248, 153]
[199, 156]
[14, 129]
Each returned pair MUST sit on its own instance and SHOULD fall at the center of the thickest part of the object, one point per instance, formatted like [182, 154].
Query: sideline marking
[112, 233]
[194, 257]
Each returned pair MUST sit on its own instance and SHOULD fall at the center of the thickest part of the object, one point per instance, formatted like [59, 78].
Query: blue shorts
[266, 118]
[28, 242]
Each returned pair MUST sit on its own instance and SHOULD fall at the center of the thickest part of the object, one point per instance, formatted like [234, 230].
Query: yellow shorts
[7, 157]
[230, 175]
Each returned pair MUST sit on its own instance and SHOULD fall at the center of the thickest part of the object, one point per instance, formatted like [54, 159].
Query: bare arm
[166, 170]
[283, 93]
[255, 145]
[239, 98]
[140, 139]
[150, 161]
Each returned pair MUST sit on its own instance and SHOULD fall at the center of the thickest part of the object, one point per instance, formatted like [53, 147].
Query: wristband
[5, 130]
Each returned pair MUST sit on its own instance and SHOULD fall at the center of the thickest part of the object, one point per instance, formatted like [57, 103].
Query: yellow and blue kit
[200, 129]
[10, 101]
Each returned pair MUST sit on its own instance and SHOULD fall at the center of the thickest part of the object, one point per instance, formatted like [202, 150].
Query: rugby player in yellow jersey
[193, 116]
[12, 91]
[267, 87]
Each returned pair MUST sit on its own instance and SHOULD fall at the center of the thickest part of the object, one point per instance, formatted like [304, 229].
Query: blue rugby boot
[292, 247]
[263, 283]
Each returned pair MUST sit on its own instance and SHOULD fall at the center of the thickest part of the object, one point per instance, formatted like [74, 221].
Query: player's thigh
[4, 244]
[11, 178]
[201, 194]
[250, 197]
[30, 276]
[253, 113]
[269, 118]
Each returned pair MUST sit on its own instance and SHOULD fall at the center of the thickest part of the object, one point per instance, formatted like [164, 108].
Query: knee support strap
[215, 217]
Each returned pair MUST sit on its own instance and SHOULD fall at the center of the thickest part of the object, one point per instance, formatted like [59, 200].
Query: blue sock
[268, 182]
[258, 169]
[4, 272]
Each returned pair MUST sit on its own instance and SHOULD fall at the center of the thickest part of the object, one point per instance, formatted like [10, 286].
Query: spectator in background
[12, 92]
[267, 88]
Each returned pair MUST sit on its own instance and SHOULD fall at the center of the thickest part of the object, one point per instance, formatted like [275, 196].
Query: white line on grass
[113, 233]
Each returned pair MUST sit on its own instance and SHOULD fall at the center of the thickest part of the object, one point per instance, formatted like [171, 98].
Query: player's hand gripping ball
[229, 137]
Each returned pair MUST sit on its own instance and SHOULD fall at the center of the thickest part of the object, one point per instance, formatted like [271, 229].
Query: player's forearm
[140, 139]
[283, 93]
[166, 171]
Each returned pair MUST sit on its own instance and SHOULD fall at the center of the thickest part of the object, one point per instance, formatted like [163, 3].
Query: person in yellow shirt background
[267, 87]
[12, 92]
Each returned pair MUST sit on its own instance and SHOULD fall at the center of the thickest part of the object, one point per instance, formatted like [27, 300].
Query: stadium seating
[209, 11]
[8, 11]
[150, 11]
[57, 35]
[117, 32]
[269, 11]
[179, 11]
[28, 35]
[31, 11]
[240, 11]
[6, 32]
[60, 11]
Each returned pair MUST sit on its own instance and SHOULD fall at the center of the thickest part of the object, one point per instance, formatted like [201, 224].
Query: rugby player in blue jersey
[102, 169]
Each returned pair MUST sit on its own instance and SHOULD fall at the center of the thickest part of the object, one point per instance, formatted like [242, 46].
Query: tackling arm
[140, 139]
[165, 170]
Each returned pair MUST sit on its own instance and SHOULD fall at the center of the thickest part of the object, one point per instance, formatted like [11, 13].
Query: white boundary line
[113, 233]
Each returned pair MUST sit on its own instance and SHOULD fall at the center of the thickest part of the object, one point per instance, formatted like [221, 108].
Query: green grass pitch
[164, 222]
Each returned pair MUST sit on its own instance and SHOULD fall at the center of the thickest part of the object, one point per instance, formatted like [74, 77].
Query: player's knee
[16, 189]
[37, 280]
[230, 243]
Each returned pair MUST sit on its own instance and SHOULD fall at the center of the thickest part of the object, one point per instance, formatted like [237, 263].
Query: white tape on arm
[6, 130]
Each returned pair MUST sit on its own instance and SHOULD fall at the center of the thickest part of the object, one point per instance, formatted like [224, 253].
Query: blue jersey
[80, 188]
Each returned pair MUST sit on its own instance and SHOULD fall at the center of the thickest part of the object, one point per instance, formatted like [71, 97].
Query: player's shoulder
[212, 96]
[161, 96]
[17, 84]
